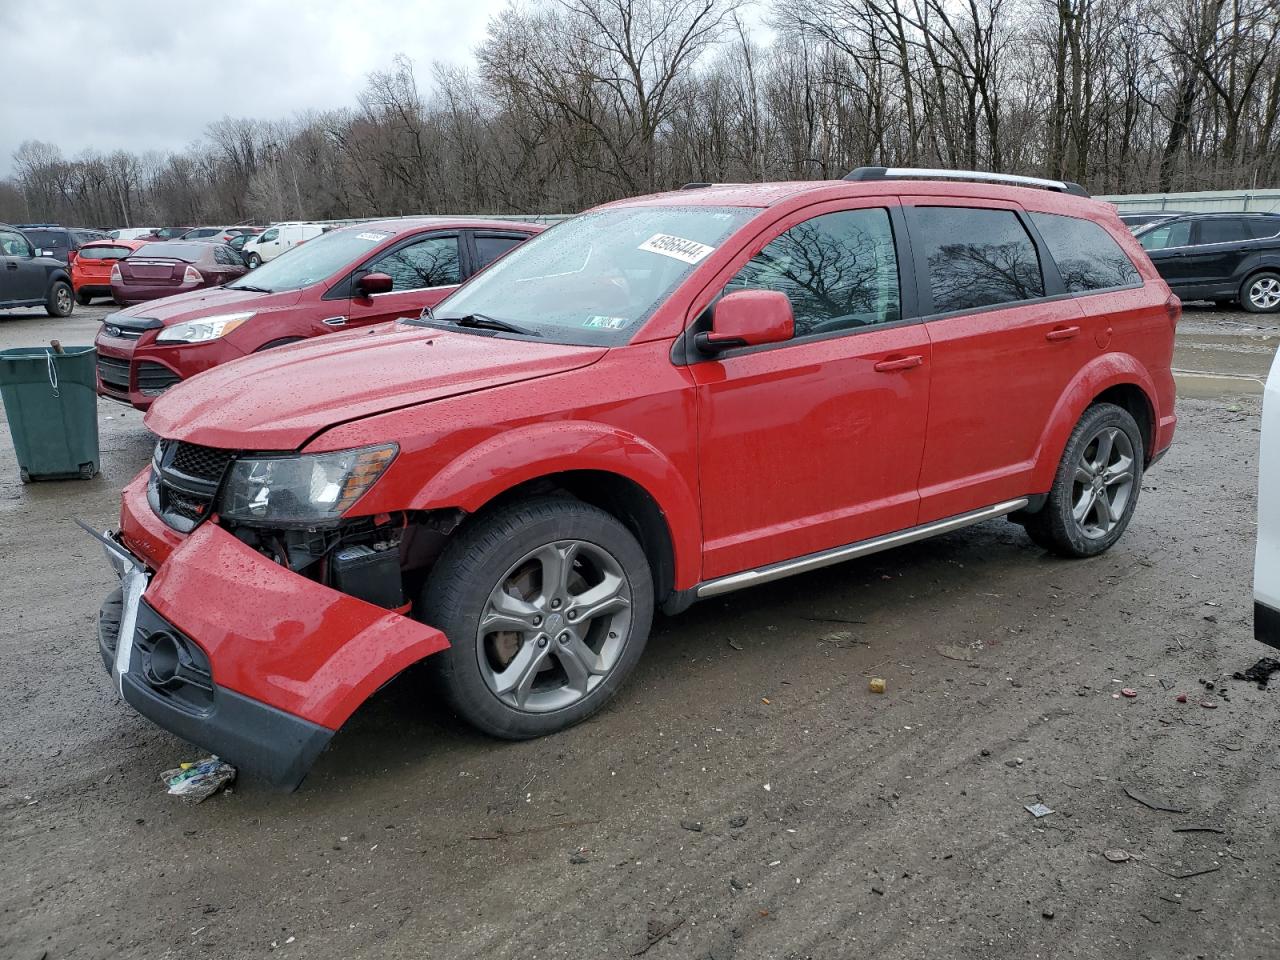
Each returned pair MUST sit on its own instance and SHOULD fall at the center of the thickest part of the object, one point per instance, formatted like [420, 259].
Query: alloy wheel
[554, 626]
[1264, 293]
[63, 300]
[1103, 483]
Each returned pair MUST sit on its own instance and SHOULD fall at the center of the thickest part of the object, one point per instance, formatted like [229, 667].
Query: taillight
[115, 273]
[72, 256]
[1173, 307]
[192, 275]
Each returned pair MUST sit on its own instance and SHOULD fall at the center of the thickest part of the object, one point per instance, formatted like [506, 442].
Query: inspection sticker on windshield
[606, 323]
[371, 235]
[678, 248]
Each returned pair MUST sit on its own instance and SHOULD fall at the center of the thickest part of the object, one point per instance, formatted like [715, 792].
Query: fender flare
[1100, 374]
[525, 453]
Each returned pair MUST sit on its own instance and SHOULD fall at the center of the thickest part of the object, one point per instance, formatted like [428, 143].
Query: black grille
[203, 463]
[114, 373]
[153, 379]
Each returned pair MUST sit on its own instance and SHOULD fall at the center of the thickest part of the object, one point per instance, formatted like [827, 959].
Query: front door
[424, 271]
[22, 278]
[816, 442]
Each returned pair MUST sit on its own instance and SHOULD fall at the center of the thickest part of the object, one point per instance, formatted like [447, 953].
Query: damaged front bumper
[239, 655]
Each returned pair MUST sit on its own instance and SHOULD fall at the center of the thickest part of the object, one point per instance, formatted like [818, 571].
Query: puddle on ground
[1223, 354]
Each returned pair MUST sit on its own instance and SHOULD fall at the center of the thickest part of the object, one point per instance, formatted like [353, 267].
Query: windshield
[314, 261]
[596, 278]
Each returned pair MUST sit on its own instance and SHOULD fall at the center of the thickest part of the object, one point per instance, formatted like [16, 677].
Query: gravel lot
[746, 796]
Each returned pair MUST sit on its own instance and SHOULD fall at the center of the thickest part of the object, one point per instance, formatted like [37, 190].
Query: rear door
[1216, 252]
[423, 269]
[1004, 349]
[816, 442]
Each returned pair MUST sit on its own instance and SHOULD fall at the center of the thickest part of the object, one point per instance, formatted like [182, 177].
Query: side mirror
[372, 283]
[748, 318]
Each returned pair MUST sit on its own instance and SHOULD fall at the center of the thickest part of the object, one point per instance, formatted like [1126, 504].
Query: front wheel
[1096, 487]
[60, 302]
[254, 261]
[1261, 292]
[547, 605]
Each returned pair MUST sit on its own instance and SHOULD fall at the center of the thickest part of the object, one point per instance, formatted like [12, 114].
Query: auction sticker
[606, 323]
[372, 235]
[678, 248]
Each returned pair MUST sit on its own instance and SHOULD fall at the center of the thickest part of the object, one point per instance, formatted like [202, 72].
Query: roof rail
[912, 173]
[697, 185]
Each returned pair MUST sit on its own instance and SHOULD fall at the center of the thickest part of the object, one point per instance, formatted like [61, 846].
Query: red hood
[278, 399]
[203, 303]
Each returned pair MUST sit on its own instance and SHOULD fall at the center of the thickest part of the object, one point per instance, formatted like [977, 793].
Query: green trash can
[51, 402]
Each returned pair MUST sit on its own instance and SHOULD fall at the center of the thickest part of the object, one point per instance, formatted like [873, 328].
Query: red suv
[663, 399]
[354, 277]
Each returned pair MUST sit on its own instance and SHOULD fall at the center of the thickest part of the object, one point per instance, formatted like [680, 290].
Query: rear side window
[1223, 230]
[1263, 228]
[977, 258]
[1175, 234]
[839, 271]
[428, 263]
[489, 249]
[104, 253]
[1087, 256]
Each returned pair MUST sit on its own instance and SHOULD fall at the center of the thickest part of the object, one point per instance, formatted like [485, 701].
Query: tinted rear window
[1087, 256]
[47, 239]
[171, 250]
[977, 258]
[1224, 230]
[104, 253]
[1260, 228]
[489, 249]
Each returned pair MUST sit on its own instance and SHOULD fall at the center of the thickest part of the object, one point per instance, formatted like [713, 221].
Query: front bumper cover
[287, 660]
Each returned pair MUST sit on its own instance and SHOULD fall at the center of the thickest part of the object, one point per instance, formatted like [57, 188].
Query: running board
[813, 561]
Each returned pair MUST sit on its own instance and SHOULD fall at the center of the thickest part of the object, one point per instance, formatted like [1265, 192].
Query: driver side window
[270, 235]
[839, 270]
[432, 262]
[14, 245]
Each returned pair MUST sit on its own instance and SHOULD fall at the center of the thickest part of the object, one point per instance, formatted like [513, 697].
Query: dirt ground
[746, 796]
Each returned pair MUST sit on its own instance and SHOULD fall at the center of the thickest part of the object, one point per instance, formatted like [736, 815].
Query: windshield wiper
[248, 286]
[486, 322]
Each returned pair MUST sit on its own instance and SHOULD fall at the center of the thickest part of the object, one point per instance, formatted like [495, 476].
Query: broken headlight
[301, 489]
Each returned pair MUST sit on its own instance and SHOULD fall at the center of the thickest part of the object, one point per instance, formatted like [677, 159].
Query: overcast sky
[151, 75]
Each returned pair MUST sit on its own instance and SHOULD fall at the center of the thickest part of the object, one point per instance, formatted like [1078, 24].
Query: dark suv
[58, 242]
[1223, 257]
[27, 280]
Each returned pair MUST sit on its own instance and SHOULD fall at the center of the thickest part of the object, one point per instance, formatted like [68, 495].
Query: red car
[344, 279]
[169, 267]
[91, 268]
[664, 399]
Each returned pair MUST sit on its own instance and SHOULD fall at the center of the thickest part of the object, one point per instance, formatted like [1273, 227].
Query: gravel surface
[745, 796]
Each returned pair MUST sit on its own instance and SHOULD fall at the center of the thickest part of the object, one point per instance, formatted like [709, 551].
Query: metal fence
[1204, 201]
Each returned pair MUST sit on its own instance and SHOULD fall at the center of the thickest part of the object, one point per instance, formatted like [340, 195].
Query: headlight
[308, 488]
[206, 328]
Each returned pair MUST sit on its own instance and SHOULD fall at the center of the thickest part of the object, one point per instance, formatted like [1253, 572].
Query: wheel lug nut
[555, 604]
[537, 621]
[564, 637]
[542, 641]
[572, 614]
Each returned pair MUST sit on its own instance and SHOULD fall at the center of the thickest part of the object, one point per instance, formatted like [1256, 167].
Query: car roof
[804, 192]
[408, 224]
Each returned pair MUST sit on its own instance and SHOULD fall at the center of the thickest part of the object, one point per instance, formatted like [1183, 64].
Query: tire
[254, 261]
[83, 299]
[1101, 442]
[516, 545]
[1260, 293]
[60, 302]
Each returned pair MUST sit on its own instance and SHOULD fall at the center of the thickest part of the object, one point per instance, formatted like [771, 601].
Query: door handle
[10, 265]
[899, 363]
[1062, 333]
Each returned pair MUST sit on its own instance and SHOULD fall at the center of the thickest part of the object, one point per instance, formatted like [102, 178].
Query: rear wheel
[60, 302]
[547, 605]
[83, 298]
[1096, 487]
[1261, 292]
